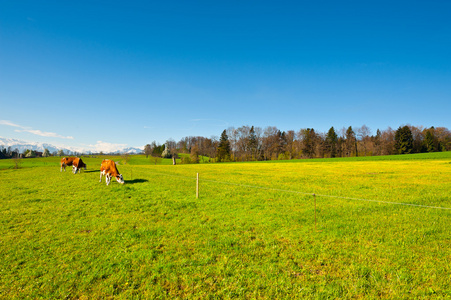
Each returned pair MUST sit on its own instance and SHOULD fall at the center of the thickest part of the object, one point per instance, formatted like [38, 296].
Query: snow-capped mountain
[36, 146]
[24, 145]
[131, 150]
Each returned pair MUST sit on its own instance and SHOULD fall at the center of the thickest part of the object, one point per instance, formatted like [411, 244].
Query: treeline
[10, 153]
[253, 143]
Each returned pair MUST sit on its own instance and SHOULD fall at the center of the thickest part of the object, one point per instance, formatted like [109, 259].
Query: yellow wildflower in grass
[251, 233]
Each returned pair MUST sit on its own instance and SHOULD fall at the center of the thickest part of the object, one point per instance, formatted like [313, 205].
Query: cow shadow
[135, 181]
[91, 171]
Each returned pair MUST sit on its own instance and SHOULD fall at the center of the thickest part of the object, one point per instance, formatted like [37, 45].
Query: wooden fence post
[314, 197]
[197, 186]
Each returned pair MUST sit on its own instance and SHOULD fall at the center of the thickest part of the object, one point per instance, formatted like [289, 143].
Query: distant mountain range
[130, 150]
[36, 146]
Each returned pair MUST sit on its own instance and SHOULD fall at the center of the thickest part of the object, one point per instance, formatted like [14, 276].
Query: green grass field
[382, 230]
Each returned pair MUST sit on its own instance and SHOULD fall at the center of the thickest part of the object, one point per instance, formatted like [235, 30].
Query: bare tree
[321, 146]
[269, 143]
[444, 138]
[17, 162]
[125, 158]
[172, 146]
[377, 143]
[147, 150]
[418, 138]
[290, 149]
[155, 160]
[388, 141]
[364, 139]
[232, 133]
[194, 156]
[242, 144]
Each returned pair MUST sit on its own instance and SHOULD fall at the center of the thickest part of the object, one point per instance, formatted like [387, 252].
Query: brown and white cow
[66, 161]
[77, 165]
[75, 162]
[108, 168]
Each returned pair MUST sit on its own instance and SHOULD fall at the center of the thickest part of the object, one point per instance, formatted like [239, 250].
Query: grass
[251, 234]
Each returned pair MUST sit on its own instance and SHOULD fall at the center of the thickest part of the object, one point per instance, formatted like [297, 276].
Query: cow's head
[120, 179]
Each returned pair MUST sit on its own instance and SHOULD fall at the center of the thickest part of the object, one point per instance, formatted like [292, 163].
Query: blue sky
[94, 74]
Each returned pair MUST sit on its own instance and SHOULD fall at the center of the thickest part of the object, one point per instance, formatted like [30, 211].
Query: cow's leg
[100, 176]
[108, 179]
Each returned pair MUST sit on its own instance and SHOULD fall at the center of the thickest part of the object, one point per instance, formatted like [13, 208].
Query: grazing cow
[108, 168]
[75, 162]
[66, 161]
[77, 165]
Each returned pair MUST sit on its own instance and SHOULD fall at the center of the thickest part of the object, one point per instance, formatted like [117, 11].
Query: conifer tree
[377, 142]
[308, 142]
[223, 152]
[403, 140]
[331, 142]
[429, 140]
[351, 142]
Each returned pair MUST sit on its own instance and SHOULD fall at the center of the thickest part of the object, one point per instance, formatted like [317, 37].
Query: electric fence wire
[306, 194]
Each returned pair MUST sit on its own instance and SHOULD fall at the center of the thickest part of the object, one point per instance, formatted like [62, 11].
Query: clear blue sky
[130, 72]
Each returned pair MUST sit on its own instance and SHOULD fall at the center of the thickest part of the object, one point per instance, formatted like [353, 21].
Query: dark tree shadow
[135, 181]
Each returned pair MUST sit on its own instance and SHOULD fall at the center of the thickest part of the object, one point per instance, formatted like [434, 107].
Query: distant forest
[255, 144]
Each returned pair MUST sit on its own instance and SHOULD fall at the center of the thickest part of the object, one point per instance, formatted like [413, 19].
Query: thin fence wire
[304, 193]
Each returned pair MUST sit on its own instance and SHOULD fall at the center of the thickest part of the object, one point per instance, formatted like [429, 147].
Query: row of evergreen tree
[253, 143]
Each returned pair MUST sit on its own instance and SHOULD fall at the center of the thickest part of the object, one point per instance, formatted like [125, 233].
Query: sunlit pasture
[376, 228]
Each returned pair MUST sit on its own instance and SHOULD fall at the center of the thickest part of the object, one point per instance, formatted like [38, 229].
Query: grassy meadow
[380, 229]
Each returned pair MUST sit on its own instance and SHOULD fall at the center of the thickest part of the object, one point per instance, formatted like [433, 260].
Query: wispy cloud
[8, 123]
[33, 131]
